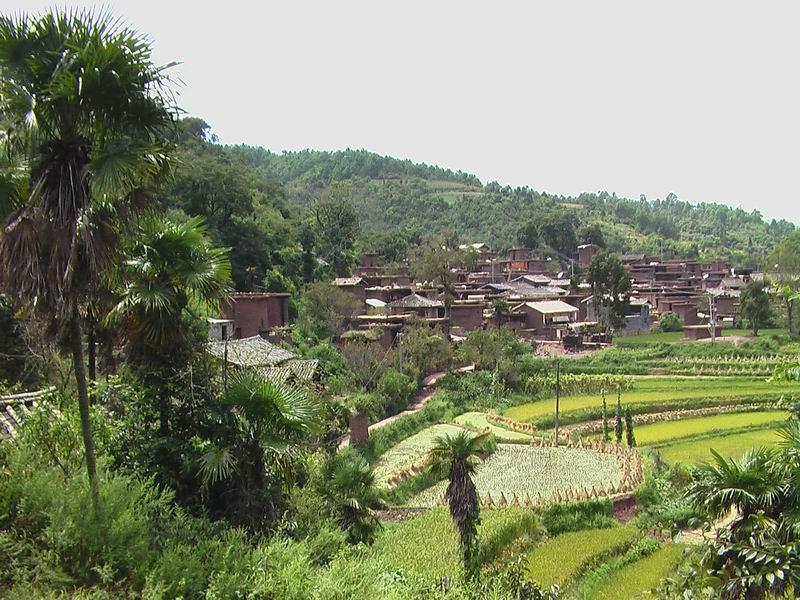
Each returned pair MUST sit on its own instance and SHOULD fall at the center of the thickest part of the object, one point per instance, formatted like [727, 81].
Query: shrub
[574, 516]
[396, 389]
[669, 321]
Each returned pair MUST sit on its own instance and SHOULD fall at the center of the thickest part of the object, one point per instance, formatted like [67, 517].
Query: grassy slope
[656, 433]
[561, 560]
[654, 389]
[519, 469]
[677, 336]
[638, 578]
[731, 446]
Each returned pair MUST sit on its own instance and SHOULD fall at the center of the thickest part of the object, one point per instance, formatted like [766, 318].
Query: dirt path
[417, 402]
[698, 536]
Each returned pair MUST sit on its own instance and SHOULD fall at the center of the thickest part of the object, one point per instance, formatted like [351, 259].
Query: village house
[355, 286]
[585, 254]
[546, 320]
[467, 315]
[420, 305]
[256, 313]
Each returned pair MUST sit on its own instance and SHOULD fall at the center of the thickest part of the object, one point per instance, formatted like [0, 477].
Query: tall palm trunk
[91, 344]
[465, 510]
[76, 341]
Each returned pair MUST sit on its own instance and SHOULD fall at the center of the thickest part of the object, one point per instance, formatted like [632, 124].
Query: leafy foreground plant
[758, 555]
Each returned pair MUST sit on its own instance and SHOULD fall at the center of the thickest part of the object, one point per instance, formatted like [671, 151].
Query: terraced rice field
[636, 579]
[427, 544]
[564, 558]
[478, 420]
[695, 451]
[647, 435]
[520, 469]
[410, 451]
[657, 390]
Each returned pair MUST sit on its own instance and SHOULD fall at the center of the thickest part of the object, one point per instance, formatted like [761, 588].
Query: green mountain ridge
[394, 194]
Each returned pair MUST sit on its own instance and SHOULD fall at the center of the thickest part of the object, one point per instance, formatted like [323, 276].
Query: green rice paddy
[657, 390]
[638, 578]
[730, 446]
[561, 560]
[647, 435]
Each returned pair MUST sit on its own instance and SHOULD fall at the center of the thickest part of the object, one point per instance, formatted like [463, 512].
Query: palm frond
[217, 464]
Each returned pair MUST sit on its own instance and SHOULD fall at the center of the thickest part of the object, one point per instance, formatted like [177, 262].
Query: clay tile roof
[15, 408]
[250, 352]
[415, 301]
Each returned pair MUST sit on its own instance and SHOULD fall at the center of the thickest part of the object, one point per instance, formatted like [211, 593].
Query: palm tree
[348, 485]
[756, 555]
[749, 485]
[457, 456]
[265, 422]
[83, 113]
[171, 269]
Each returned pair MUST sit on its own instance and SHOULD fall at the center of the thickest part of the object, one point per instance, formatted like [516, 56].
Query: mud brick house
[585, 254]
[726, 302]
[387, 293]
[483, 250]
[420, 305]
[355, 286]
[256, 313]
[467, 315]
[546, 320]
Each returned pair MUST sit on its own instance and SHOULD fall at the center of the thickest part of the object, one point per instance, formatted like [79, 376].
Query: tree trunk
[91, 343]
[789, 308]
[83, 403]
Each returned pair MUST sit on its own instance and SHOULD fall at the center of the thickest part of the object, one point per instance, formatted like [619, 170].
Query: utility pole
[558, 396]
[400, 349]
[712, 317]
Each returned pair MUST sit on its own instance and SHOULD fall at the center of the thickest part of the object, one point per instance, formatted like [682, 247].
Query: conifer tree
[629, 428]
[606, 431]
[618, 423]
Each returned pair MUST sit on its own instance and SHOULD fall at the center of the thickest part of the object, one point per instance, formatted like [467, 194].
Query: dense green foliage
[396, 200]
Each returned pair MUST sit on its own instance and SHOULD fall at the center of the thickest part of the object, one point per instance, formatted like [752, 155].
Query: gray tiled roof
[415, 301]
[250, 352]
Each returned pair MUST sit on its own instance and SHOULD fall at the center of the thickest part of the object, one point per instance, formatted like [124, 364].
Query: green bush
[575, 516]
[669, 321]
[396, 389]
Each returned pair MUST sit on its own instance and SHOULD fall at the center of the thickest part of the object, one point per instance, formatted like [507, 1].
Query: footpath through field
[417, 402]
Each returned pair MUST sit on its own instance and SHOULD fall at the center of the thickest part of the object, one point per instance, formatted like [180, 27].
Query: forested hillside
[397, 194]
[266, 207]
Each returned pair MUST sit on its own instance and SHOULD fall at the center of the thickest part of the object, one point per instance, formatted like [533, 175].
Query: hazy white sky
[696, 98]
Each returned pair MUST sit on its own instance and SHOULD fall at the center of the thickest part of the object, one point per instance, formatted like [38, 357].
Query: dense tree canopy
[611, 285]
